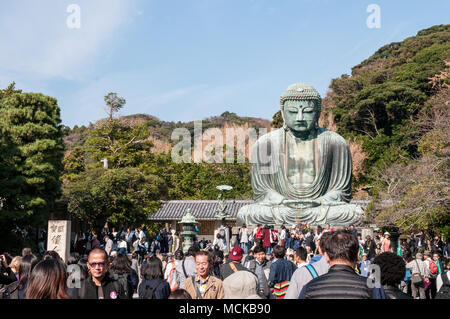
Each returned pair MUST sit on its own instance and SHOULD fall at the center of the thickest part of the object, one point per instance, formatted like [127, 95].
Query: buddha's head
[300, 108]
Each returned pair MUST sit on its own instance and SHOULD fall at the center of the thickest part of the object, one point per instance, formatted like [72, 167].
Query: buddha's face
[300, 115]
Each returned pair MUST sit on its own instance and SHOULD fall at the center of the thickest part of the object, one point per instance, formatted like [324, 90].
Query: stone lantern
[188, 221]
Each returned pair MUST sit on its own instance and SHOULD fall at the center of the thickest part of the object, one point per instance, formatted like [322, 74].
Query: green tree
[123, 196]
[113, 103]
[31, 150]
[123, 145]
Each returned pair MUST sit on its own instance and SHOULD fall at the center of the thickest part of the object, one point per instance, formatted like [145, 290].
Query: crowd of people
[296, 262]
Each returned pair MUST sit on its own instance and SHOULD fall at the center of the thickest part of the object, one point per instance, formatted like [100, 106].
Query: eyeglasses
[93, 265]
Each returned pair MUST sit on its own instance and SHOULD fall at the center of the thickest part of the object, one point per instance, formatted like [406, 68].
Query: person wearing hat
[241, 285]
[234, 265]
[420, 273]
[386, 243]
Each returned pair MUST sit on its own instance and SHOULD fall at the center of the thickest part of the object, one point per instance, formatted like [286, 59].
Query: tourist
[281, 272]
[283, 234]
[17, 289]
[341, 281]
[176, 242]
[26, 251]
[363, 265]
[153, 286]
[243, 238]
[171, 274]
[266, 239]
[234, 265]
[99, 284]
[242, 284]
[430, 291]
[439, 263]
[203, 285]
[304, 275]
[300, 257]
[248, 258]
[257, 236]
[392, 271]
[219, 242]
[386, 243]
[353, 230]
[122, 246]
[260, 266]
[108, 245]
[48, 280]
[420, 273]
[122, 272]
[187, 268]
[14, 265]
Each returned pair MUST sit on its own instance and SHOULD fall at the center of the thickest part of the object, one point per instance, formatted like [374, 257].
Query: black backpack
[122, 280]
[444, 292]
[148, 290]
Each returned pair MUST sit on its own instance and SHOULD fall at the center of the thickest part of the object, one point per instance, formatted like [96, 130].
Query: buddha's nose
[300, 115]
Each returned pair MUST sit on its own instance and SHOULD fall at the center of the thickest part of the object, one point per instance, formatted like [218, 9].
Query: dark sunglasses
[93, 265]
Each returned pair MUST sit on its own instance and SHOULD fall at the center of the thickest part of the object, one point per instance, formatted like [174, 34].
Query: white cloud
[36, 40]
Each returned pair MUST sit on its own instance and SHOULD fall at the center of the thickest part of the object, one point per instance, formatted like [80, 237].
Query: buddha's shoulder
[331, 136]
[271, 137]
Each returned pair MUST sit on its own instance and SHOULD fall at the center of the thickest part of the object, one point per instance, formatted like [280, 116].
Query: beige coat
[214, 288]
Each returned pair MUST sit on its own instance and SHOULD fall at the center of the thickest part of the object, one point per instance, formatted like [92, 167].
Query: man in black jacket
[99, 284]
[341, 281]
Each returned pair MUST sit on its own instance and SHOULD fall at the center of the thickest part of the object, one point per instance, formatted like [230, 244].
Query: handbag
[417, 279]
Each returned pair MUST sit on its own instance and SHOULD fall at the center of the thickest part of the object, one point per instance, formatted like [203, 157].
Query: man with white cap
[419, 274]
[241, 285]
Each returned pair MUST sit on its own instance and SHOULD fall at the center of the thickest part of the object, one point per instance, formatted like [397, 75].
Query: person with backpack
[186, 268]
[307, 273]
[420, 273]
[281, 272]
[153, 286]
[430, 292]
[99, 284]
[126, 276]
[203, 285]
[171, 274]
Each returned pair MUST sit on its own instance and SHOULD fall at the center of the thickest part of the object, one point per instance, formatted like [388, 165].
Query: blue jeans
[268, 250]
[244, 247]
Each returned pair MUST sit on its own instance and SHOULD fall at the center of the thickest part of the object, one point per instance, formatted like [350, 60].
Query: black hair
[180, 294]
[73, 258]
[153, 269]
[323, 240]
[301, 253]
[50, 254]
[178, 254]
[121, 265]
[258, 249]
[342, 245]
[26, 267]
[279, 251]
[392, 268]
[192, 251]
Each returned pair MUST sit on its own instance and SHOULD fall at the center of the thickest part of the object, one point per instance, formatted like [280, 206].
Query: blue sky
[183, 60]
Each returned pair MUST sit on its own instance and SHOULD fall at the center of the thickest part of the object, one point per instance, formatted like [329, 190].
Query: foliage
[122, 196]
[31, 150]
[123, 145]
[113, 103]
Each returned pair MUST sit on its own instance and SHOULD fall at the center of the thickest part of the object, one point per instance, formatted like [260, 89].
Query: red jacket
[266, 237]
